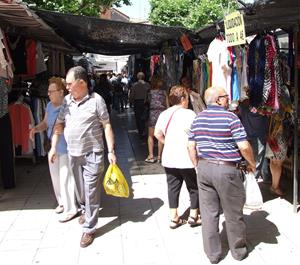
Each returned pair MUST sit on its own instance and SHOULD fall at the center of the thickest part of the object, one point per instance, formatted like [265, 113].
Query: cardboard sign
[234, 29]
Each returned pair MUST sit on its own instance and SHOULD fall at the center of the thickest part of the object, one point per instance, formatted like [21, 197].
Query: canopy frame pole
[295, 167]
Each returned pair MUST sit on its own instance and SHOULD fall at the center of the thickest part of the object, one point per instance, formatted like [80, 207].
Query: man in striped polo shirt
[82, 117]
[217, 142]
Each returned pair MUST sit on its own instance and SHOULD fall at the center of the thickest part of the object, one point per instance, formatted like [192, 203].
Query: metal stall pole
[295, 168]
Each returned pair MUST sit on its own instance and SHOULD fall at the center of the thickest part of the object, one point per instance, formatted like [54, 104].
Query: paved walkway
[133, 230]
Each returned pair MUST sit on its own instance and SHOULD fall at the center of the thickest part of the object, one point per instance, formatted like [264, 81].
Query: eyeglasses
[223, 96]
[52, 91]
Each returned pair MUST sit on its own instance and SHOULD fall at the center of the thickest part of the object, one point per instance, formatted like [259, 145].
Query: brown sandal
[194, 221]
[176, 223]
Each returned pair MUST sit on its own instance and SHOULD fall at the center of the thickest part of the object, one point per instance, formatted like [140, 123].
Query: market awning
[95, 35]
[261, 15]
[19, 19]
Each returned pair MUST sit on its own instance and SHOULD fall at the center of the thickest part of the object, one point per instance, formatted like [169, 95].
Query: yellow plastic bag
[115, 183]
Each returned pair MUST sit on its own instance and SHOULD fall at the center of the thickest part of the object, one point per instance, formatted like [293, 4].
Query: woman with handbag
[61, 174]
[172, 129]
[157, 101]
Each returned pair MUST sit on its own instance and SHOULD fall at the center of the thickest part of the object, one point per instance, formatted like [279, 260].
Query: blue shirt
[52, 113]
[216, 132]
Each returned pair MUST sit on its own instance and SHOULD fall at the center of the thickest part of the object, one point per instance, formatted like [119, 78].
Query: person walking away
[104, 89]
[82, 119]
[125, 85]
[118, 92]
[195, 101]
[60, 171]
[138, 95]
[172, 129]
[217, 139]
[158, 102]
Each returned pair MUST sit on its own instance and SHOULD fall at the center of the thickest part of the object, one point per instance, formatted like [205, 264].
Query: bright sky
[139, 9]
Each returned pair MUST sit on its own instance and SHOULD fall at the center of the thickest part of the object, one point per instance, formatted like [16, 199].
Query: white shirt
[175, 153]
[218, 55]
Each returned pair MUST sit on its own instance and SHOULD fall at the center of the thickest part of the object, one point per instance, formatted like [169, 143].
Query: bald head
[212, 95]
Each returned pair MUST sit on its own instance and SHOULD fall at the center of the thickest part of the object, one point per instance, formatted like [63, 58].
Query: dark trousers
[138, 107]
[222, 186]
[6, 153]
[175, 178]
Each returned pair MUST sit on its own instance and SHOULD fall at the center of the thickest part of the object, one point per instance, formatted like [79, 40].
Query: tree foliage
[191, 14]
[78, 7]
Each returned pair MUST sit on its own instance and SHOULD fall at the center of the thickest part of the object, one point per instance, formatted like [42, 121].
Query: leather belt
[221, 162]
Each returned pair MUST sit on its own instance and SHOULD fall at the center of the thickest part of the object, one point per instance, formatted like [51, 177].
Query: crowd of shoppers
[201, 144]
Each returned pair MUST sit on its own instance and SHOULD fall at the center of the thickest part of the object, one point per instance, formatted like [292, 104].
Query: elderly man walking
[83, 117]
[217, 142]
[138, 96]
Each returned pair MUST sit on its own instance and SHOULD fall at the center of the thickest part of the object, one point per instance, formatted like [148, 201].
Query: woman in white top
[172, 129]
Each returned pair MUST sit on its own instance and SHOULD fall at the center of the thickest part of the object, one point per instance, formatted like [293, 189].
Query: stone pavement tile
[18, 193]
[56, 256]
[19, 244]
[7, 219]
[2, 236]
[32, 219]
[15, 256]
[9, 204]
[147, 251]
[106, 249]
[40, 202]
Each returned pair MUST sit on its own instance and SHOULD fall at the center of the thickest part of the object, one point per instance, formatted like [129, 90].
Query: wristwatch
[111, 152]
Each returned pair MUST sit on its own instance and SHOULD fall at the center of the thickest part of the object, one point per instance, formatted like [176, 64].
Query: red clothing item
[31, 57]
[20, 122]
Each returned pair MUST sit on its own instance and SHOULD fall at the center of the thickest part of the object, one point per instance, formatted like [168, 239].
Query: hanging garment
[40, 59]
[180, 66]
[256, 64]
[170, 67]
[4, 89]
[196, 75]
[153, 61]
[270, 91]
[22, 122]
[235, 88]
[218, 55]
[31, 57]
[244, 78]
[18, 53]
[6, 64]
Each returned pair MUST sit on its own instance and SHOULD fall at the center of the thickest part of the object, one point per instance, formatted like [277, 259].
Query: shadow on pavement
[258, 230]
[130, 210]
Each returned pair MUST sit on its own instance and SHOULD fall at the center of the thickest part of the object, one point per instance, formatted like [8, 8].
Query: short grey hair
[79, 73]
[212, 94]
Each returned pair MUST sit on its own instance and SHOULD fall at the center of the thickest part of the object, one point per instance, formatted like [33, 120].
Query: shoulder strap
[170, 121]
[53, 126]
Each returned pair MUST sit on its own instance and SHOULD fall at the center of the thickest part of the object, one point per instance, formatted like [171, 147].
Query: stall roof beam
[95, 35]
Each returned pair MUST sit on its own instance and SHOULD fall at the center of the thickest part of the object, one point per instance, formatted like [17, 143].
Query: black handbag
[47, 141]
